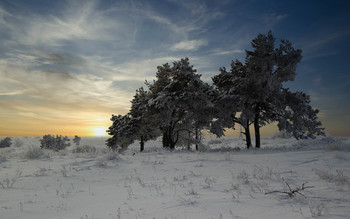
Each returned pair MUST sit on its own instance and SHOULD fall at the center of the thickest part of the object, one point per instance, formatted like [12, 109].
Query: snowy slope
[222, 182]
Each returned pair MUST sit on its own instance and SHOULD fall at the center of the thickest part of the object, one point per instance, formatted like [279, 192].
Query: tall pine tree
[144, 122]
[177, 94]
[255, 88]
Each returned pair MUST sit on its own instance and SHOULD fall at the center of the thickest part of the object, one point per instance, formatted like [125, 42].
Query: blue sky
[66, 66]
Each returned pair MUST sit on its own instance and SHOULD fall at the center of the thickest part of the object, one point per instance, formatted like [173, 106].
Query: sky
[67, 66]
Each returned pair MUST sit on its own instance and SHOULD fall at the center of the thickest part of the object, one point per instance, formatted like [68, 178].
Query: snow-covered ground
[221, 182]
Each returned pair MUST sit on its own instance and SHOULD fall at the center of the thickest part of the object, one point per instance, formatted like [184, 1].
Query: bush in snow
[76, 140]
[215, 141]
[54, 143]
[282, 134]
[33, 153]
[243, 177]
[84, 149]
[339, 178]
[6, 142]
[337, 145]
[103, 161]
[329, 138]
[18, 143]
[317, 208]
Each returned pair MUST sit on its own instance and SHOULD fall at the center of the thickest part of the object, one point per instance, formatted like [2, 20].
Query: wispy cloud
[140, 69]
[34, 29]
[228, 52]
[189, 45]
[57, 90]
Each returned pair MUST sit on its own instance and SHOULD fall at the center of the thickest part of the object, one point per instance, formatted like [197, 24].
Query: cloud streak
[189, 45]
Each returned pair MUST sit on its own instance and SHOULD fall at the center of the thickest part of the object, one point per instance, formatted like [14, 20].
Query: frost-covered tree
[163, 79]
[255, 88]
[234, 100]
[199, 113]
[123, 132]
[6, 142]
[176, 97]
[267, 68]
[54, 143]
[76, 140]
[138, 124]
[297, 116]
[144, 122]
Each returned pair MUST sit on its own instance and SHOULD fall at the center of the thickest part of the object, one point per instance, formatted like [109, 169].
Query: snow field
[223, 182]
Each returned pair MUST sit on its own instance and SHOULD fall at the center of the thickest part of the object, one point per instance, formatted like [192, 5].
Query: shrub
[76, 140]
[6, 142]
[337, 178]
[101, 162]
[243, 177]
[33, 153]
[54, 143]
[215, 141]
[282, 134]
[84, 149]
[10, 181]
[112, 156]
[337, 145]
[317, 208]
[18, 143]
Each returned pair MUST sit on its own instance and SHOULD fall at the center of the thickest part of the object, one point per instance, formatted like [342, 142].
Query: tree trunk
[257, 131]
[197, 140]
[142, 144]
[172, 145]
[247, 135]
[170, 139]
[189, 141]
[165, 139]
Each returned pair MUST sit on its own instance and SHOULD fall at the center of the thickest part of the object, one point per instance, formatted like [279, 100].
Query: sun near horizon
[100, 132]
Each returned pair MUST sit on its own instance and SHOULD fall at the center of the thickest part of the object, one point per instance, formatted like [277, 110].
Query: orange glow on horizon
[37, 128]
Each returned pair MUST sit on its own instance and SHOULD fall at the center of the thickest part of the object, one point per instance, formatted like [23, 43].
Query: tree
[267, 68]
[298, 117]
[76, 140]
[234, 99]
[200, 112]
[176, 97]
[163, 78]
[6, 142]
[54, 143]
[138, 124]
[145, 124]
[123, 132]
[255, 88]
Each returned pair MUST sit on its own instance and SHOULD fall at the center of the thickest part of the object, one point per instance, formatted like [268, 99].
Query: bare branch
[291, 193]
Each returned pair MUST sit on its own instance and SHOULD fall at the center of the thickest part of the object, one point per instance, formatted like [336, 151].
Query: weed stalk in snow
[292, 192]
